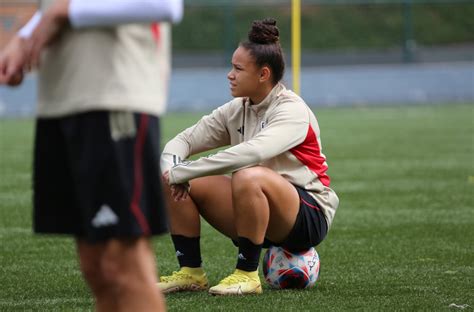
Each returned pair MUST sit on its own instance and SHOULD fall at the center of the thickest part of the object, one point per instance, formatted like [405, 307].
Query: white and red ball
[283, 269]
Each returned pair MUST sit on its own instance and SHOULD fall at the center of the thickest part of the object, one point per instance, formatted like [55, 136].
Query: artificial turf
[402, 238]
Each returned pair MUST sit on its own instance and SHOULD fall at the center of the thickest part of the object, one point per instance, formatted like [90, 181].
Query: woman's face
[244, 76]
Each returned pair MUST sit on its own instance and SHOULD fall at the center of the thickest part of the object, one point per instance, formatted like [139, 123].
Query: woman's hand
[178, 191]
[13, 60]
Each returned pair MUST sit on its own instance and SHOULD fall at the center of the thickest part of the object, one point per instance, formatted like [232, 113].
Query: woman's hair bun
[264, 32]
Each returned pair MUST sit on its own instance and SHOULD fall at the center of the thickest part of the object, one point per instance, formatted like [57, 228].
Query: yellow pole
[296, 43]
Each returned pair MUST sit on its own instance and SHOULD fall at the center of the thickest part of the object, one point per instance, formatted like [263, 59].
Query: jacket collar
[270, 98]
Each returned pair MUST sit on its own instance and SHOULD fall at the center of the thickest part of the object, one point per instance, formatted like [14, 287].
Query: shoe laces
[235, 278]
[176, 275]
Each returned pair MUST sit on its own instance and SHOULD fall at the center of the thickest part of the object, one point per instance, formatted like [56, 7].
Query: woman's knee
[93, 273]
[128, 264]
[100, 273]
[248, 179]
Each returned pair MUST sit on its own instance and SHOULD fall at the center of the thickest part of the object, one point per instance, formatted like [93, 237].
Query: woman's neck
[261, 94]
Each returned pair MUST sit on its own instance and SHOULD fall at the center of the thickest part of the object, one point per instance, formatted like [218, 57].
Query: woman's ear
[265, 74]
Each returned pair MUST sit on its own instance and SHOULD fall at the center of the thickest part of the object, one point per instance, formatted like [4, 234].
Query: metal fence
[312, 2]
[409, 32]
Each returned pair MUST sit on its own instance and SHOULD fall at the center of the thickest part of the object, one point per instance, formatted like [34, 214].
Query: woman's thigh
[281, 196]
[212, 196]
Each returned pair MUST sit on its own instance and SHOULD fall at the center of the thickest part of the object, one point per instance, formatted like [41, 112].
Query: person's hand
[178, 191]
[48, 29]
[13, 60]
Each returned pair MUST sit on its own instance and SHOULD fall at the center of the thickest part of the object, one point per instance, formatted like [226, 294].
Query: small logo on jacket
[104, 217]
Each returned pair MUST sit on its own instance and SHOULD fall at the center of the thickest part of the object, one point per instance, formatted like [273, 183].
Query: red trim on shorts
[138, 175]
[309, 153]
[309, 205]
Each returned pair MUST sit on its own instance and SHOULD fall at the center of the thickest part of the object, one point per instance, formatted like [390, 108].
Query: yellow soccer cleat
[186, 279]
[238, 283]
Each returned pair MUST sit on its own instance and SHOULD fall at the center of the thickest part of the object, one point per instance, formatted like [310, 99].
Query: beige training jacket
[280, 133]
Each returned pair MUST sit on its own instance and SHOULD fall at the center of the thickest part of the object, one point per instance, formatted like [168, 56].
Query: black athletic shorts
[97, 176]
[310, 226]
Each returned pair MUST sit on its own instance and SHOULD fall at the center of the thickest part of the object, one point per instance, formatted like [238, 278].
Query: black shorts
[97, 176]
[310, 226]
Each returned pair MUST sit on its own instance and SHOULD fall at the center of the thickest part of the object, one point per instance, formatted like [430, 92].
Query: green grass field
[403, 237]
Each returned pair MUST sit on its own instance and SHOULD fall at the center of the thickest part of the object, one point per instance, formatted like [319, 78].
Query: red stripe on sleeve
[155, 30]
[309, 153]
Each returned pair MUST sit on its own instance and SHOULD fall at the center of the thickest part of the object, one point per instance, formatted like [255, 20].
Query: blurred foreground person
[103, 73]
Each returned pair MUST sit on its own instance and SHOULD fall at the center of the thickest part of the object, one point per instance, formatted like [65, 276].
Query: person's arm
[27, 30]
[14, 57]
[82, 14]
[13, 60]
[98, 13]
[112, 12]
[208, 133]
[43, 28]
[285, 130]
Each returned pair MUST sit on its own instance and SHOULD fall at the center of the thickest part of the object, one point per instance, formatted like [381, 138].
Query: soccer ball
[283, 269]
